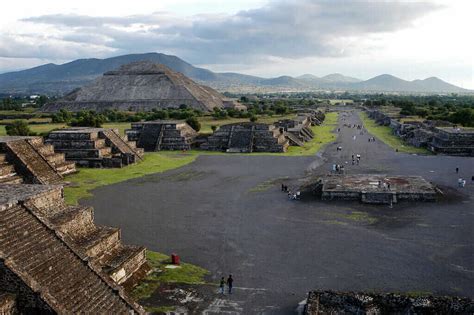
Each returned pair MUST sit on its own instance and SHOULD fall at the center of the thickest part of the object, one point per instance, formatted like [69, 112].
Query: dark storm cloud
[281, 28]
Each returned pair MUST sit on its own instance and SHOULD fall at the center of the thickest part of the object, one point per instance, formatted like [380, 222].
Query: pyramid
[140, 86]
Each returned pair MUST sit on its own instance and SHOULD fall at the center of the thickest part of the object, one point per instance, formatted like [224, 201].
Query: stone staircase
[294, 140]
[49, 267]
[120, 145]
[8, 174]
[94, 147]
[101, 245]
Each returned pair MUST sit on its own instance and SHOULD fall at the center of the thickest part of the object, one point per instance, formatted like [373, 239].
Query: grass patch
[385, 134]
[185, 274]
[323, 135]
[90, 178]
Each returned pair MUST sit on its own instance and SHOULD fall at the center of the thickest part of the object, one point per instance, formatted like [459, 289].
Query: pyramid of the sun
[140, 86]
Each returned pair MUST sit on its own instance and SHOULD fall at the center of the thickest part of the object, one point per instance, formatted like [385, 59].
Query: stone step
[98, 242]
[66, 167]
[6, 169]
[123, 261]
[13, 179]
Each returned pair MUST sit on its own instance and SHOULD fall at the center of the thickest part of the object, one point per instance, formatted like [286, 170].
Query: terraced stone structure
[453, 141]
[95, 147]
[29, 160]
[162, 135]
[333, 302]
[140, 86]
[297, 131]
[54, 259]
[374, 189]
[246, 138]
[315, 116]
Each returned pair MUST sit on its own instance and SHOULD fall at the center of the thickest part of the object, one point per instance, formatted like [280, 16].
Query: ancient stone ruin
[29, 160]
[247, 137]
[94, 147]
[374, 189]
[162, 135]
[441, 137]
[141, 86]
[54, 259]
[333, 302]
[297, 131]
[452, 141]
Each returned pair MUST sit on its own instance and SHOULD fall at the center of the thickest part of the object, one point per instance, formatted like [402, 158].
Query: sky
[360, 38]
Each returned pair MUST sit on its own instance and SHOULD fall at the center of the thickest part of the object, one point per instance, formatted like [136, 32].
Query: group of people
[338, 169]
[229, 282]
[291, 195]
[355, 159]
[462, 181]
[371, 139]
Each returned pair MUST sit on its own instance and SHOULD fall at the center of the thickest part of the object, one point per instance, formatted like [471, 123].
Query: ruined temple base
[332, 302]
[375, 189]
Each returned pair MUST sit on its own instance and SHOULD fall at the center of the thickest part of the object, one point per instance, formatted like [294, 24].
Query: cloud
[284, 29]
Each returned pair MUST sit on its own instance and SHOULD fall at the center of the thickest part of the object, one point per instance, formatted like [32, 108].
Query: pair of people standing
[229, 282]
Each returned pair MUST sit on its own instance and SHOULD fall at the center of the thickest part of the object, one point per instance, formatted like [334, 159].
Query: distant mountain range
[55, 79]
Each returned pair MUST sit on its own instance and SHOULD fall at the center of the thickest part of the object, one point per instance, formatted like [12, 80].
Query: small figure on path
[457, 170]
[282, 187]
[230, 282]
[222, 285]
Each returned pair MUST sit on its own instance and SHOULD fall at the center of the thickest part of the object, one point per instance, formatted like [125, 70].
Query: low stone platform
[376, 189]
[29, 160]
[95, 147]
[162, 135]
[44, 268]
[332, 302]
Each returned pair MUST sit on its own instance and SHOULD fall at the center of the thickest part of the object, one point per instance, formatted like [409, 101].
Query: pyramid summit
[140, 86]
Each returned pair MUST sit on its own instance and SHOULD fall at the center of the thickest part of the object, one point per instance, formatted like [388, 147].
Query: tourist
[388, 186]
[282, 187]
[460, 182]
[298, 194]
[222, 285]
[230, 282]
[289, 194]
[457, 170]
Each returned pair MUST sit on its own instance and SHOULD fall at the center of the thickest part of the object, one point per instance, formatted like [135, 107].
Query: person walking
[457, 170]
[222, 285]
[230, 282]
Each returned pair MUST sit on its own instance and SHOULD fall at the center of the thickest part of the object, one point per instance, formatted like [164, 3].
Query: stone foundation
[94, 147]
[332, 302]
[373, 189]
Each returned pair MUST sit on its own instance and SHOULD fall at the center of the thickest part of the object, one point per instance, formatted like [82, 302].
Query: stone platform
[162, 135]
[332, 302]
[29, 160]
[54, 259]
[375, 189]
[95, 147]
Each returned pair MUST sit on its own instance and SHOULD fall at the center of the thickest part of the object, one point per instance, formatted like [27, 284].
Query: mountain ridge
[53, 79]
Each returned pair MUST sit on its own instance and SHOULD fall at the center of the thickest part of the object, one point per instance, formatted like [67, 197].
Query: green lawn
[185, 273]
[385, 134]
[89, 178]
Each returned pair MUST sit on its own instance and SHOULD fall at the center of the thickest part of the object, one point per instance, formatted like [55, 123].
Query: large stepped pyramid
[162, 135]
[95, 147]
[29, 160]
[140, 86]
[43, 268]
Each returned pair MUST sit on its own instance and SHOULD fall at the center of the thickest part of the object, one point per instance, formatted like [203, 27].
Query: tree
[194, 123]
[88, 119]
[253, 118]
[19, 128]
[40, 101]
[213, 128]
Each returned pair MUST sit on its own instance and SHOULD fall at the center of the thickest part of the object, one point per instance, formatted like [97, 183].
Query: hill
[55, 79]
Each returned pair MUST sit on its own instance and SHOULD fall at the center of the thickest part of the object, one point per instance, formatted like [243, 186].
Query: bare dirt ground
[227, 214]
